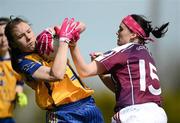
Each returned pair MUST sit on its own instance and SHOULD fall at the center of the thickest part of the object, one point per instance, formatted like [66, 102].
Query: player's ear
[133, 35]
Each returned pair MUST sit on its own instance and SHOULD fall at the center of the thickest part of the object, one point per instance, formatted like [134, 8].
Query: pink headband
[135, 27]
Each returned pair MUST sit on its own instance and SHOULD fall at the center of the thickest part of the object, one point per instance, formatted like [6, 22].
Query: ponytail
[159, 32]
[146, 25]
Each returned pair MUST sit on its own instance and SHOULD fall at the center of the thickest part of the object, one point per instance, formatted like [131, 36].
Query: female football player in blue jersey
[57, 87]
[11, 83]
[133, 72]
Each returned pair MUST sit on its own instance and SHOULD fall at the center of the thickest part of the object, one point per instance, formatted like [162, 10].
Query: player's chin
[119, 43]
[30, 49]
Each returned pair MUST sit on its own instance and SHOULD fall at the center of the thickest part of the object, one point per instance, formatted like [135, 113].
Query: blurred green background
[105, 101]
[102, 18]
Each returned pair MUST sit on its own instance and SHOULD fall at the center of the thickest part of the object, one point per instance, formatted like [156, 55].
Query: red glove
[68, 31]
[44, 42]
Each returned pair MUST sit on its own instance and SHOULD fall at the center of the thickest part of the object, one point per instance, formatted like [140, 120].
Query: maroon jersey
[134, 73]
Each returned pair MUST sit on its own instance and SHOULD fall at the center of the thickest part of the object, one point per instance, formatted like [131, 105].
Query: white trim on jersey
[131, 82]
[112, 52]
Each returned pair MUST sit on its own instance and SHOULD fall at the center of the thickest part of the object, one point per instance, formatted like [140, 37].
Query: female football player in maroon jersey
[133, 72]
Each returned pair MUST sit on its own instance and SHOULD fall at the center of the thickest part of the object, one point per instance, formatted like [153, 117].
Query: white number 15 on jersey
[153, 76]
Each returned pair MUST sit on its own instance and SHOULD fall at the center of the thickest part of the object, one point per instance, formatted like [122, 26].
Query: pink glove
[44, 42]
[68, 31]
[76, 35]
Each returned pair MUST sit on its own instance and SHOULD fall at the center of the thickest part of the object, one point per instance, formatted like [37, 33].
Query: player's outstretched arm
[85, 69]
[105, 78]
[57, 71]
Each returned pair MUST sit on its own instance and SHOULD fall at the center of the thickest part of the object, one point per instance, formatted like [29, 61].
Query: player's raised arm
[85, 69]
[45, 47]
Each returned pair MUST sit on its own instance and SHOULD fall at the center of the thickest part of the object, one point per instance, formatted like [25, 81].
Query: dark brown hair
[157, 32]
[14, 50]
[4, 20]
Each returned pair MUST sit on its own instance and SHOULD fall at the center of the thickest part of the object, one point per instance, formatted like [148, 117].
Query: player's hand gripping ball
[69, 31]
[47, 44]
